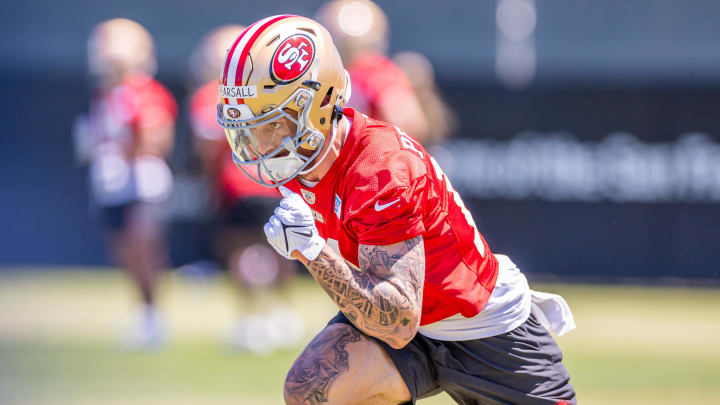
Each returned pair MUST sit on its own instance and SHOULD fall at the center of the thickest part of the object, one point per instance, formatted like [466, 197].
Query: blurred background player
[238, 207]
[441, 119]
[125, 138]
[361, 33]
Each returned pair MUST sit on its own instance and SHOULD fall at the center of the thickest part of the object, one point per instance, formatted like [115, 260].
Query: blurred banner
[588, 140]
[593, 180]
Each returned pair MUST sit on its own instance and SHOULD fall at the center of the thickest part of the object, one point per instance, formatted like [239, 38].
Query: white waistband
[509, 306]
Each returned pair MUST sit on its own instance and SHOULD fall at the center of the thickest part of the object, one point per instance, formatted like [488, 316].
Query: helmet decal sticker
[234, 113]
[292, 58]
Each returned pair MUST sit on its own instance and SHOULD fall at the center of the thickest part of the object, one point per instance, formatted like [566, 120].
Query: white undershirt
[508, 307]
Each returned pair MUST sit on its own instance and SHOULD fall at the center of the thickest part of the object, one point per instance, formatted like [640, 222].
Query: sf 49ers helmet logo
[292, 58]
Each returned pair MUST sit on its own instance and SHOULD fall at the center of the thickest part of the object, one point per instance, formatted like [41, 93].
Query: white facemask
[281, 168]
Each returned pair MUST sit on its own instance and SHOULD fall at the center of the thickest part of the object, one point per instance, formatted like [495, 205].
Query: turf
[59, 343]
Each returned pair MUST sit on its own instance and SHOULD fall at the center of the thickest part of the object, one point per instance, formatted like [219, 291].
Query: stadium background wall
[617, 86]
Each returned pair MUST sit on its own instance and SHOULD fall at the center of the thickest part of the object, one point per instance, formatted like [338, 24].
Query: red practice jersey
[138, 102]
[385, 188]
[118, 117]
[376, 81]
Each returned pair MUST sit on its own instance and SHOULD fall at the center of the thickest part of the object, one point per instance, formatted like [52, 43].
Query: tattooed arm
[384, 299]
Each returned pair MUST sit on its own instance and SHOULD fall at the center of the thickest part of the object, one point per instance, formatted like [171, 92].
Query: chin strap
[324, 155]
[335, 118]
[337, 114]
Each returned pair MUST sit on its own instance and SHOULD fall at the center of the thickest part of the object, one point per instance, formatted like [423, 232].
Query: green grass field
[59, 343]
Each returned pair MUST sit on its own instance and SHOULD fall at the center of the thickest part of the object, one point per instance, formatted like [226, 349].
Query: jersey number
[408, 143]
[458, 201]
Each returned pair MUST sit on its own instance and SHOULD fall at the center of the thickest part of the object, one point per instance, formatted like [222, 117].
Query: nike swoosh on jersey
[380, 207]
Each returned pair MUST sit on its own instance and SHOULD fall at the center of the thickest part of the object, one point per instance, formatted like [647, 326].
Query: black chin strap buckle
[337, 113]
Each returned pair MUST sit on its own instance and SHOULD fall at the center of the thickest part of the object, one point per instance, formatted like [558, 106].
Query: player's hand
[293, 228]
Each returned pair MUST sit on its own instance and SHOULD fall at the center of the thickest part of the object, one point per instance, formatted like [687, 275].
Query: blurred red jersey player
[239, 207]
[126, 137]
[360, 30]
[211, 147]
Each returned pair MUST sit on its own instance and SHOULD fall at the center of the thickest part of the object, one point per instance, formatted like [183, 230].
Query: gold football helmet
[282, 88]
[118, 47]
[357, 26]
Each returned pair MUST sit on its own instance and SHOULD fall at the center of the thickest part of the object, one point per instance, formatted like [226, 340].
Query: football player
[239, 208]
[125, 138]
[441, 119]
[424, 304]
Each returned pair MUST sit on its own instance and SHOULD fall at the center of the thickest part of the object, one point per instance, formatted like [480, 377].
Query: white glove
[293, 227]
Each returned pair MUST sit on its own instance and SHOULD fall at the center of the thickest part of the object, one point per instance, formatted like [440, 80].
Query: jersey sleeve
[389, 206]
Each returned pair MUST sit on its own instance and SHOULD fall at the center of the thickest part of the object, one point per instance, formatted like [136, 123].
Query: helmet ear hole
[308, 30]
[328, 96]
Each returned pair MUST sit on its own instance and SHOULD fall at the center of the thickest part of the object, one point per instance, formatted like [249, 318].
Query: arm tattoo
[384, 299]
[324, 359]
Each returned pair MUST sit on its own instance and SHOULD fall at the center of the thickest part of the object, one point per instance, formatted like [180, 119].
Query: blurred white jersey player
[125, 138]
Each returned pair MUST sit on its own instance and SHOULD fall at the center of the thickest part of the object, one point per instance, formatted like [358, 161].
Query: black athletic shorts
[523, 366]
[115, 217]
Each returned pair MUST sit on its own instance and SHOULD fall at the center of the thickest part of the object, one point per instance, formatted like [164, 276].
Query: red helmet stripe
[249, 44]
[237, 59]
[231, 51]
